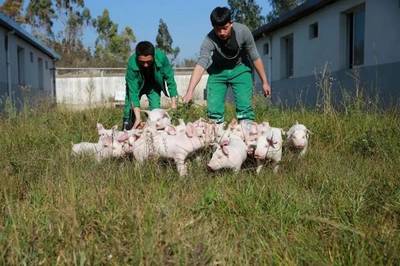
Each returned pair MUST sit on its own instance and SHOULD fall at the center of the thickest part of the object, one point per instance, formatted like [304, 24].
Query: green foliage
[76, 17]
[13, 9]
[40, 15]
[246, 12]
[112, 48]
[280, 7]
[164, 41]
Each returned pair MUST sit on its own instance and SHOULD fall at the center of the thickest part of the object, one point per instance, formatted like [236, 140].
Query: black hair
[144, 48]
[220, 16]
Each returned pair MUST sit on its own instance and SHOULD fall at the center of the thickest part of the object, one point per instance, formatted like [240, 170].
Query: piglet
[230, 154]
[297, 138]
[269, 147]
[158, 117]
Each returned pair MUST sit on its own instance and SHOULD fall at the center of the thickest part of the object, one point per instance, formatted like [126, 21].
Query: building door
[356, 36]
[40, 74]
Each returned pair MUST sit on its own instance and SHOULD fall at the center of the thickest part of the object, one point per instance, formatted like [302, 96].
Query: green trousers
[240, 80]
[154, 97]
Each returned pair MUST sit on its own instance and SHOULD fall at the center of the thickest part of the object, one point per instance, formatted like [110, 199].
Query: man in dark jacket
[147, 72]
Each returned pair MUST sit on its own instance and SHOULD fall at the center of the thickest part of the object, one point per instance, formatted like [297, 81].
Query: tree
[13, 9]
[279, 7]
[112, 48]
[164, 41]
[74, 17]
[246, 12]
[40, 15]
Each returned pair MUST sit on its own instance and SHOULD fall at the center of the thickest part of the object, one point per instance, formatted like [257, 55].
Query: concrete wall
[81, 92]
[379, 85]
[30, 77]
[382, 38]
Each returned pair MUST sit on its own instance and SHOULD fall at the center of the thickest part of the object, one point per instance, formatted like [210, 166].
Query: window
[287, 56]
[313, 31]
[46, 64]
[355, 36]
[21, 65]
[31, 55]
[40, 73]
[266, 48]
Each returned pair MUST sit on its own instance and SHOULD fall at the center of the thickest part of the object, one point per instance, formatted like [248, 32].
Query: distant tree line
[112, 46]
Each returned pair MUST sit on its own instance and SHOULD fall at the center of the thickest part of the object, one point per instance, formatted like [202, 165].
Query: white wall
[31, 68]
[82, 91]
[382, 38]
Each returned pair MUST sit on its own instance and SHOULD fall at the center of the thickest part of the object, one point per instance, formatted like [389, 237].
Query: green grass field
[339, 205]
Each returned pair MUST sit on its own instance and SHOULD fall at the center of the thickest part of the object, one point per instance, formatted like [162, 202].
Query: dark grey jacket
[212, 56]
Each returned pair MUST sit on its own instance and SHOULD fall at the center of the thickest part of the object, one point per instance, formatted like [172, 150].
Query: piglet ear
[167, 115]
[123, 137]
[225, 142]
[190, 130]
[225, 149]
[170, 130]
[224, 146]
[138, 132]
[100, 127]
[146, 112]
[308, 133]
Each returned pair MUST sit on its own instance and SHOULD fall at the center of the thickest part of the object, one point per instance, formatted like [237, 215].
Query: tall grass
[338, 205]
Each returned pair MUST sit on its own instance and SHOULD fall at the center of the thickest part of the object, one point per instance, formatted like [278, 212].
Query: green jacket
[134, 79]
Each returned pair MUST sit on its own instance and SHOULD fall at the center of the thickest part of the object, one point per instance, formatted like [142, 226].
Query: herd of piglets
[233, 144]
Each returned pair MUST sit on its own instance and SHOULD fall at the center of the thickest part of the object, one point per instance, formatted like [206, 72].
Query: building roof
[303, 10]
[10, 24]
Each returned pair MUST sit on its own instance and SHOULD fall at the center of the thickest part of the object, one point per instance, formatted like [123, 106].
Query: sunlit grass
[338, 205]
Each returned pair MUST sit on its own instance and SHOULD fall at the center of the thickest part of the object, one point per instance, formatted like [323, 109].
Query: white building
[348, 35]
[27, 67]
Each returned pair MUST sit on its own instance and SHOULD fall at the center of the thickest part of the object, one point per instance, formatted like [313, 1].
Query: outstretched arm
[258, 64]
[169, 77]
[203, 63]
[194, 80]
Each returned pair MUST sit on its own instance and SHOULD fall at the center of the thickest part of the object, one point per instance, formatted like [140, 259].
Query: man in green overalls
[148, 70]
[226, 53]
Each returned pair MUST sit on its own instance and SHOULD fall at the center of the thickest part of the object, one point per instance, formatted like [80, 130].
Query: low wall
[81, 92]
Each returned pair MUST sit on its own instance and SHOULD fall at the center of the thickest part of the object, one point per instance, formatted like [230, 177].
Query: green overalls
[136, 86]
[240, 80]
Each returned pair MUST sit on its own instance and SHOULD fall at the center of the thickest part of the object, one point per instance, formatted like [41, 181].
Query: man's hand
[173, 103]
[194, 80]
[188, 97]
[266, 89]
[137, 123]
[136, 111]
